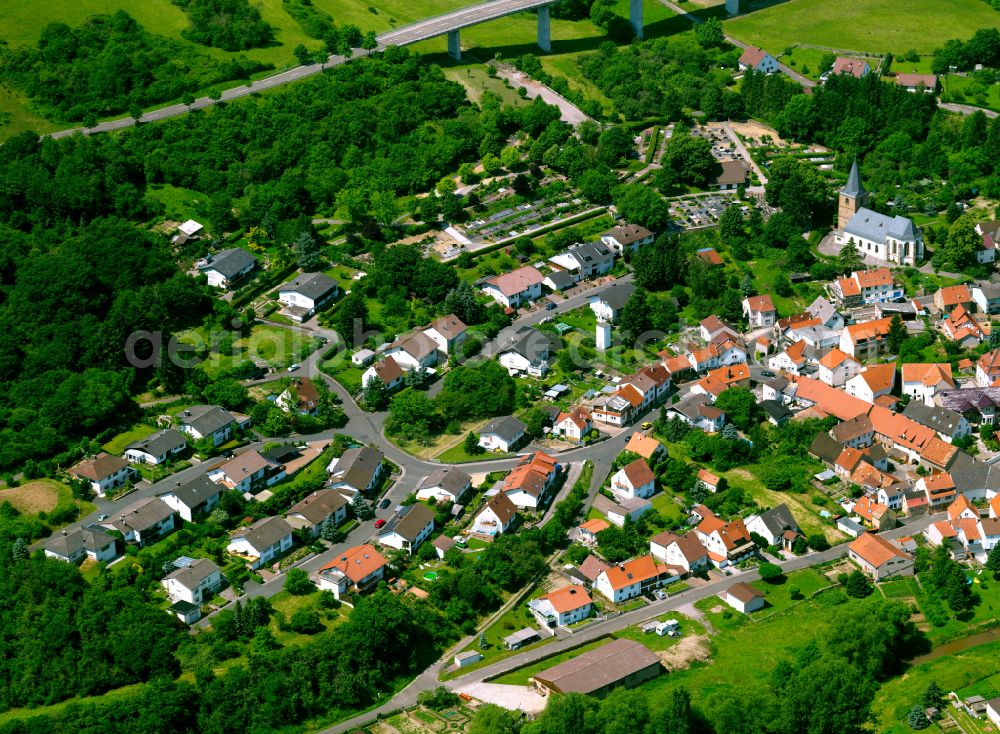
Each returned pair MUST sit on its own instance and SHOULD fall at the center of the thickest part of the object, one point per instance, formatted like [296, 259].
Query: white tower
[603, 338]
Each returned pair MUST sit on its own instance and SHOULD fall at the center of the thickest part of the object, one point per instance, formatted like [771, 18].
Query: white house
[143, 521]
[496, 517]
[387, 370]
[627, 237]
[262, 542]
[561, 607]
[103, 472]
[357, 569]
[874, 381]
[408, 528]
[502, 434]
[837, 367]
[531, 354]
[776, 526]
[743, 598]
[923, 381]
[759, 311]
[414, 351]
[316, 508]
[156, 448]
[626, 508]
[879, 558]
[826, 312]
[515, 288]
[448, 484]
[301, 397]
[208, 421]
[195, 582]
[573, 425]
[633, 578]
[635, 479]
[448, 333]
[358, 470]
[529, 484]
[228, 268]
[758, 60]
[306, 294]
[608, 304]
[684, 551]
[72, 545]
[585, 260]
[792, 359]
[987, 297]
[248, 471]
[194, 498]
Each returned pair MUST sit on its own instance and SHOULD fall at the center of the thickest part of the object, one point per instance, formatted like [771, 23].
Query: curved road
[420, 31]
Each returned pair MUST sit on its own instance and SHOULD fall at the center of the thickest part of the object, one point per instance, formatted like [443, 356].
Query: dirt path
[690, 610]
[569, 112]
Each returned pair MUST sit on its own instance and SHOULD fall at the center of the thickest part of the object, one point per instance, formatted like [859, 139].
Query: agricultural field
[875, 26]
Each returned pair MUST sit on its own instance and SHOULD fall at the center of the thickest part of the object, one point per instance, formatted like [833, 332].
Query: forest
[111, 64]
[232, 25]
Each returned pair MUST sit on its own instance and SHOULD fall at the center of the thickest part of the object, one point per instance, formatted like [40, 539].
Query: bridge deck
[439, 25]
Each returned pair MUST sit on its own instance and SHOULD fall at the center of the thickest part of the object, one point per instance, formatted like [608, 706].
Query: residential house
[964, 328]
[355, 570]
[635, 479]
[758, 60]
[947, 298]
[879, 558]
[195, 582]
[306, 294]
[448, 333]
[759, 311]
[209, 421]
[362, 357]
[627, 237]
[987, 298]
[866, 340]
[622, 663]
[837, 367]
[387, 370]
[558, 281]
[157, 448]
[248, 471]
[414, 351]
[592, 567]
[684, 551]
[988, 369]
[562, 607]
[646, 446]
[729, 175]
[857, 68]
[626, 508]
[926, 83]
[709, 254]
[529, 483]
[531, 354]
[193, 499]
[697, 411]
[939, 490]
[712, 327]
[875, 380]
[652, 381]
[408, 528]
[618, 408]
[495, 518]
[144, 521]
[229, 268]
[103, 472]
[826, 313]
[856, 433]
[867, 287]
[608, 304]
[633, 578]
[948, 424]
[990, 232]
[921, 382]
[262, 542]
[515, 288]
[743, 597]
[502, 434]
[776, 526]
[708, 481]
[444, 485]
[874, 514]
[358, 471]
[585, 260]
[792, 359]
[442, 544]
[726, 542]
[313, 510]
[573, 425]
[587, 531]
[714, 356]
[721, 379]
[74, 544]
[828, 400]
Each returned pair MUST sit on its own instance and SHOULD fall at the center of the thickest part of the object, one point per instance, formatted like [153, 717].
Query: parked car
[379, 523]
[102, 518]
[293, 367]
[646, 426]
[766, 373]
[384, 503]
[660, 594]
[550, 306]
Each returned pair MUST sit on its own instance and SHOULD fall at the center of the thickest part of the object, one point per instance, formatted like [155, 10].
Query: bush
[769, 571]
[298, 583]
[305, 621]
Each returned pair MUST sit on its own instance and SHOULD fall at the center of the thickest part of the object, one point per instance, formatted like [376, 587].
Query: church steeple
[852, 197]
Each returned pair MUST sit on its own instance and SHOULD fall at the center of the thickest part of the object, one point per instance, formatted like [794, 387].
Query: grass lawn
[956, 87]
[778, 594]
[441, 444]
[19, 116]
[476, 81]
[863, 25]
[117, 445]
[287, 604]
[899, 588]
[458, 455]
[348, 375]
[55, 709]
[272, 344]
[664, 503]
[178, 203]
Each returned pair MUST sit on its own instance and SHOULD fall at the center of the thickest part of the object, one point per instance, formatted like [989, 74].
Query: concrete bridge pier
[544, 37]
[733, 7]
[454, 45]
[635, 17]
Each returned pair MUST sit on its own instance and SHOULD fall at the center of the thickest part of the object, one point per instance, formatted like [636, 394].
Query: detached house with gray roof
[306, 294]
[157, 448]
[448, 484]
[315, 509]
[585, 260]
[209, 421]
[229, 268]
[144, 521]
[531, 354]
[196, 581]
[358, 471]
[193, 499]
[409, 528]
[262, 542]
[502, 434]
[103, 472]
[74, 545]
[776, 526]
[608, 305]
